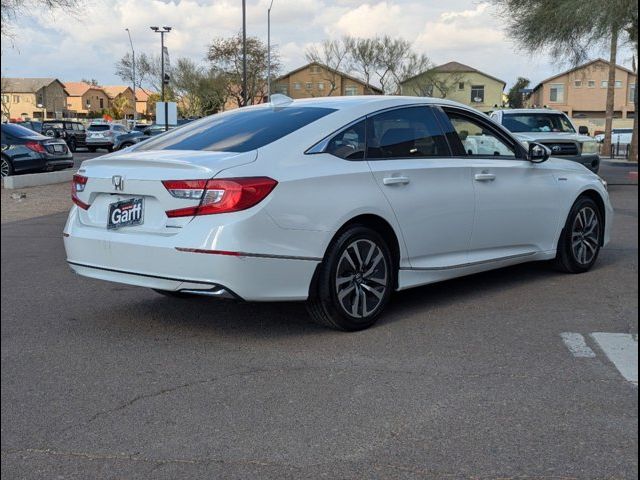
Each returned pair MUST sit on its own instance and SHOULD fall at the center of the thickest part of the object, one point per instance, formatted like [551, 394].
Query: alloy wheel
[585, 236]
[362, 278]
[5, 168]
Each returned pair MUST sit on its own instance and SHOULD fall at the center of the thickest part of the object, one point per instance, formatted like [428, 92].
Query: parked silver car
[104, 135]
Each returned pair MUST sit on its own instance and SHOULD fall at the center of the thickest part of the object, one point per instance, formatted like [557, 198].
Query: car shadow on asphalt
[268, 320]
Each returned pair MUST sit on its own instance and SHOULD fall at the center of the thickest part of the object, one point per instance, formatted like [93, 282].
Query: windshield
[239, 130]
[98, 128]
[18, 131]
[537, 122]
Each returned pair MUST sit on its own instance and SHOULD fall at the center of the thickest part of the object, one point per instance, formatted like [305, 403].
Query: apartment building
[315, 80]
[33, 98]
[123, 94]
[86, 100]
[458, 82]
[581, 93]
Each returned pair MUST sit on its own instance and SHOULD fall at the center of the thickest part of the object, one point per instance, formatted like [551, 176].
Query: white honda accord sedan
[336, 201]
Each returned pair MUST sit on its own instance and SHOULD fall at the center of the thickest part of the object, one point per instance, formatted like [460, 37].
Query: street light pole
[244, 53]
[133, 75]
[162, 31]
[269, 52]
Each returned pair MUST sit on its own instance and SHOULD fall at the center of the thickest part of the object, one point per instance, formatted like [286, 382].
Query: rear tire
[6, 167]
[72, 145]
[353, 284]
[579, 244]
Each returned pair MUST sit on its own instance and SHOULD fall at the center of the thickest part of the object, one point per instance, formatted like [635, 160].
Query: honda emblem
[118, 182]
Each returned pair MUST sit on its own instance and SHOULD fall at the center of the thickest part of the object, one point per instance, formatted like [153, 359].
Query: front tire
[353, 283]
[581, 238]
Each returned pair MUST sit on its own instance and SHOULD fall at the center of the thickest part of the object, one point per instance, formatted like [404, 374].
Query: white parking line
[622, 350]
[577, 345]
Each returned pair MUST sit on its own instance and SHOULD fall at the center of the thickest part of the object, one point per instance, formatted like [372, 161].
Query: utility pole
[269, 52]
[133, 77]
[164, 79]
[244, 53]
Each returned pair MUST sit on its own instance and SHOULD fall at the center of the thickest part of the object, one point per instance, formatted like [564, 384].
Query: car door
[516, 200]
[430, 192]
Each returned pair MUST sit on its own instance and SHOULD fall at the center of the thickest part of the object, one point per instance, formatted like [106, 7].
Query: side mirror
[538, 153]
[583, 130]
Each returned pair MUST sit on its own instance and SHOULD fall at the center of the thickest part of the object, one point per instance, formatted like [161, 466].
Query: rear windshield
[98, 128]
[240, 130]
[18, 131]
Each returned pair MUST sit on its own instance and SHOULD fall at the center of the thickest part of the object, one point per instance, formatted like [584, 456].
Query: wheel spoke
[358, 257]
[356, 304]
[345, 292]
[375, 263]
[347, 256]
[372, 290]
[342, 280]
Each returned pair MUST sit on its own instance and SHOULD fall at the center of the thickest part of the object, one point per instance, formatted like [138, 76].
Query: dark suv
[73, 133]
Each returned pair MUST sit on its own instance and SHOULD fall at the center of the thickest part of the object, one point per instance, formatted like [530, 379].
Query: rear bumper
[154, 261]
[99, 143]
[59, 164]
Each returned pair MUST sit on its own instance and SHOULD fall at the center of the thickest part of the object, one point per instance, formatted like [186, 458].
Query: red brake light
[77, 185]
[36, 147]
[219, 195]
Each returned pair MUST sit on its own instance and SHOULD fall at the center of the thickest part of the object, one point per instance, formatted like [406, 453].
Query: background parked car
[620, 136]
[24, 150]
[104, 135]
[73, 133]
[128, 139]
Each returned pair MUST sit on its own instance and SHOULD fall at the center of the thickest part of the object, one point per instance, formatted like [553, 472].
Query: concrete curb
[37, 179]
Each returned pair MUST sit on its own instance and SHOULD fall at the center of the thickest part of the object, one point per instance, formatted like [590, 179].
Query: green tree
[570, 30]
[515, 95]
[225, 55]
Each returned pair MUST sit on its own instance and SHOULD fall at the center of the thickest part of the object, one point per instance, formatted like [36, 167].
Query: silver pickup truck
[553, 129]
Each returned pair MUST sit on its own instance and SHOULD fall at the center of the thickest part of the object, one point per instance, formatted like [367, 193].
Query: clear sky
[88, 44]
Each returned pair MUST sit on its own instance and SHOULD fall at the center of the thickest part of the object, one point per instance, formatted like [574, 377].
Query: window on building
[16, 99]
[632, 92]
[405, 133]
[460, 85]
[314, 69]
[5, 98]
[556, 93]
[351, 90]
[577, 83]
[320, 86]
[297, 86]
[604, 84]
[309, 86]
[102, 103]
[477, 93]
[618, 84]
[591, 84]
[282, 89]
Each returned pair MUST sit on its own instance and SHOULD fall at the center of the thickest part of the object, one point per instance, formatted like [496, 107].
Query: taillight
[219, 196]
[78, 184]
[36, 147]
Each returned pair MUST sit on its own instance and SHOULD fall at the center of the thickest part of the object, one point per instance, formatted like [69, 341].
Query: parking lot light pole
[162, 31]
[133, 78]
[269, 51]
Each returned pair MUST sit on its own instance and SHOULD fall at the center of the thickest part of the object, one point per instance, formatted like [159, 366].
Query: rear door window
[239, 130]
[411, 132]
[350, 143]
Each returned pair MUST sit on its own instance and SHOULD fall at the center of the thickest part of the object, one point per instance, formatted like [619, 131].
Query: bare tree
[364, 58]
[11, 10]
[398, 62]
[148, 69]
[333, 55]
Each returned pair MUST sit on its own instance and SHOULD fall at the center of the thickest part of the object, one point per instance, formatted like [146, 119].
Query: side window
[349, 143]
[473, 138]
[411, 132]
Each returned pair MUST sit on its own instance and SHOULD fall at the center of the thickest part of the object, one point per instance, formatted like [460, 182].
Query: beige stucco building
[29, 98]
[116, 92]
[85, 100]
[458, 82]
[582, 93]
[315, 80]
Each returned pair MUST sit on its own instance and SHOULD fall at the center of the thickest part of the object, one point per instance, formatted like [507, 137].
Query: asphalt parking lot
[471, 378]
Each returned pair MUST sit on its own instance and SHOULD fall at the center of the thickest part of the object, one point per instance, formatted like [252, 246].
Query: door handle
[485, 177]
[395, 180]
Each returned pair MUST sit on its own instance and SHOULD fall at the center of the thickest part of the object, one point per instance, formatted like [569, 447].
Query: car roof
[528, 110]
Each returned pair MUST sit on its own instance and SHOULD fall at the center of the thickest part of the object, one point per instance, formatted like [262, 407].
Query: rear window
[98, 128]
[18, 131]
[240, 130]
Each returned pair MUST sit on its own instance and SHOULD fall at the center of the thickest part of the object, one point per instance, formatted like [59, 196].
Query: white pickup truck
[553, 129]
